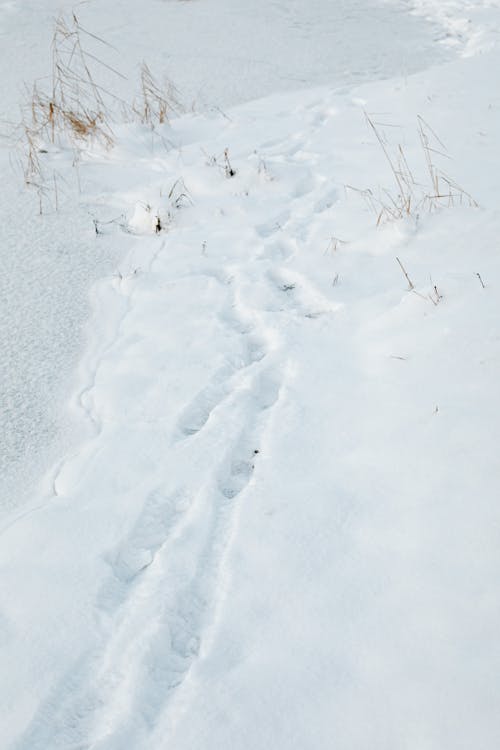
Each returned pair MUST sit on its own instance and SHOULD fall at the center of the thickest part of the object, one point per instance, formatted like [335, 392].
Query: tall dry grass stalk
[75, 109]
[410, 197]
[156, 102]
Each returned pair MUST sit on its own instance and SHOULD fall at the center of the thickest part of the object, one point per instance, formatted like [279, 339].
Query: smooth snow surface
[280, 527]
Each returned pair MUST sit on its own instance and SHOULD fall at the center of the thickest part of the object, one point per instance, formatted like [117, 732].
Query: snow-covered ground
[219, 53]
[280, 527]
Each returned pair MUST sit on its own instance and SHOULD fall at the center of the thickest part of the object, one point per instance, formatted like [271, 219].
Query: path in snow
[218, 52]
[178, 436]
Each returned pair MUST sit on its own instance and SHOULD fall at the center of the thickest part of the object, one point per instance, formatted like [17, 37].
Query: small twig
[230, 172]
[435, 297]
[480, 279]
[334, 244]
[411, 285]
[438, 296]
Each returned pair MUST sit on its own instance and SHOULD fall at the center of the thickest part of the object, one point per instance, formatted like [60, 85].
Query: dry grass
[179, 196]
[409, 197]
[75, 106]
[73, 109]
[156, 103]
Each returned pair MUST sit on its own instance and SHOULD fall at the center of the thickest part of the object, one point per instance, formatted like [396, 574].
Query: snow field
[282, 529]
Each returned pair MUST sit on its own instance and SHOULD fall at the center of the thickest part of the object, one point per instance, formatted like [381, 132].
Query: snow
[469, 26]
[219, 53]
[280, 525]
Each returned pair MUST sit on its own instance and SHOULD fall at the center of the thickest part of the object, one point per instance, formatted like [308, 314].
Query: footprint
[159, 515]
[196, 415]
[241, 470]
[267, 391]
[241, 464]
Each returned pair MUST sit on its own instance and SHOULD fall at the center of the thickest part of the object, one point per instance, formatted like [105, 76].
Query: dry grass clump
[445, 190]
[411, 197]
[75, 105]
[78, 107]
[73, 109]
[156, 102]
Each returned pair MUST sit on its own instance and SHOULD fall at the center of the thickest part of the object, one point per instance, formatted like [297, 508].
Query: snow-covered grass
[281, 528]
